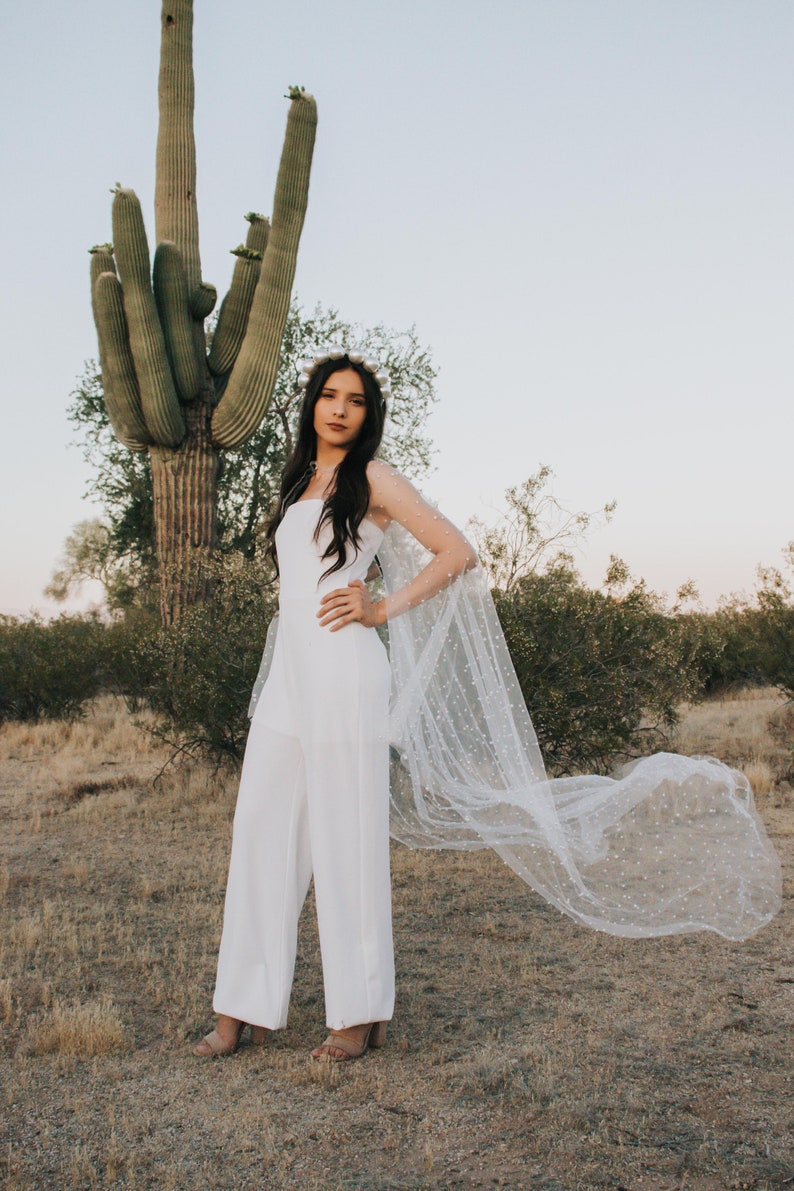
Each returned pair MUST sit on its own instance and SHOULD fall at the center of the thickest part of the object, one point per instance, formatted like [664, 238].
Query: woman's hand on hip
[350, 604]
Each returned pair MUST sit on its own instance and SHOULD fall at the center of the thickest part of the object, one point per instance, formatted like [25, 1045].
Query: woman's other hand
[350, 604]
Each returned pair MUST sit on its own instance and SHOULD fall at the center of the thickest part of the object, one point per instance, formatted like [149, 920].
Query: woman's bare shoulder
[379, 472]
[385, 483]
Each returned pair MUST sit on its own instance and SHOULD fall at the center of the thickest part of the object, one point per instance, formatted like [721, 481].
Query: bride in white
[671, 844]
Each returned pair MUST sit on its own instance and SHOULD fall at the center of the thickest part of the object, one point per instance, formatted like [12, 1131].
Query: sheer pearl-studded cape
[670, 844]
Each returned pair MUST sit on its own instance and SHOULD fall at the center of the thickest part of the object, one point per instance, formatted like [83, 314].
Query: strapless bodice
[300, 560]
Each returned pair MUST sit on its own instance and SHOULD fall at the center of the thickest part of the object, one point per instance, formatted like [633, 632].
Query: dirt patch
[526, 1052]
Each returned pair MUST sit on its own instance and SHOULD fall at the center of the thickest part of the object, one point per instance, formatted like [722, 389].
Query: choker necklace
[316, 470]
[311, 471]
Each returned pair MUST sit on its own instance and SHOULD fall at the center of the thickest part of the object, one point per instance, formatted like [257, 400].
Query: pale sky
[584, 206]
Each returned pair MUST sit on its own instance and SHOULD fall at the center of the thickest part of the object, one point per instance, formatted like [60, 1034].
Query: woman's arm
[393, 498]
[397, 499]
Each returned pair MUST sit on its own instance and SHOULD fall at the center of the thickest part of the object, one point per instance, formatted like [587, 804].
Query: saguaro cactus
[162, 393]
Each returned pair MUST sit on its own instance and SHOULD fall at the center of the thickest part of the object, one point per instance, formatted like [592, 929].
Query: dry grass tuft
[86, 1030]
[761, 777]
[191, 784]
[6, 1002]
[121, 798]
[108, 728]
[327, 1075]
[781, 727]
[84, 789]
[751, 730]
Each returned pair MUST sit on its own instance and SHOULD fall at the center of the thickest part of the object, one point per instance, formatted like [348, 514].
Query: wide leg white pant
[313, 805]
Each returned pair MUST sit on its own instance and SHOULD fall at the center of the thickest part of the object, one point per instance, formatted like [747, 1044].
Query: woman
[314, 791]
[669, 845]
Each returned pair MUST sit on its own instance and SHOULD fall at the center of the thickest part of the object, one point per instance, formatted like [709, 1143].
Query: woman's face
[340, 410]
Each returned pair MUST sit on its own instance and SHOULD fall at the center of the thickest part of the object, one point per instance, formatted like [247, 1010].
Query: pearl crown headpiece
[356, 356]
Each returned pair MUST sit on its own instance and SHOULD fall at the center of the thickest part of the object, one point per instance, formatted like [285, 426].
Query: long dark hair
[347, 505]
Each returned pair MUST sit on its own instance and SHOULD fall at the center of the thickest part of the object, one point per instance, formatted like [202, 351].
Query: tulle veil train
[668, 845]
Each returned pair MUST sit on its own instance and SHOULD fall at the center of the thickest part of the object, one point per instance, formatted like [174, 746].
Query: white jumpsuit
[313, 799]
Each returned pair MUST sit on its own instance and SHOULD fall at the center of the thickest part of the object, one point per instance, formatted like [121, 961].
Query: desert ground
[526, 1051]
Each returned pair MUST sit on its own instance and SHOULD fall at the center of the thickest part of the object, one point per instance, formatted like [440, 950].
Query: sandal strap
[217, 1044]
[348, 1045]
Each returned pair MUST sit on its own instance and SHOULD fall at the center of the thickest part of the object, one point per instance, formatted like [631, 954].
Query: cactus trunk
[185, 490]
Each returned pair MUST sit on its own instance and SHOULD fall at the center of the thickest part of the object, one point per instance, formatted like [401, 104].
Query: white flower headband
[355, 356]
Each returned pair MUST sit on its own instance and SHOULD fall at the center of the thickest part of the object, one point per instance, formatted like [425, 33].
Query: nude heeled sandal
[374, 1038]
[217, 1047]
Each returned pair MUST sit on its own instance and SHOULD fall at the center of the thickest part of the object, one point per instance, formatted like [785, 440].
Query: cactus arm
[170, 295]
[101, 262]
[236, 306]
[202, 300]
[250, 386]
[122, 399]
[158, 397]
[175, 209]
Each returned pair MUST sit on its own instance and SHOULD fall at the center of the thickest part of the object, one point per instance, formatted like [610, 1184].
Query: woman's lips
[335, 425]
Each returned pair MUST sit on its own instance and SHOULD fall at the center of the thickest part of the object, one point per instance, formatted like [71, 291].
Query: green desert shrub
[724, 647]
[196, 676]
[602, 671]
[775, 625]
[749, 640]
[48, 670]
